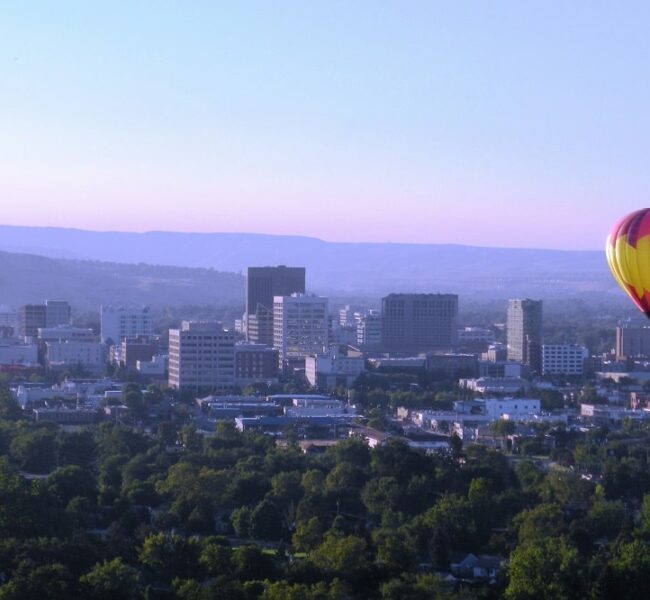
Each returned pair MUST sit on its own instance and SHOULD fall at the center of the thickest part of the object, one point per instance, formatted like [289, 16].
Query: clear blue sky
[493, 123]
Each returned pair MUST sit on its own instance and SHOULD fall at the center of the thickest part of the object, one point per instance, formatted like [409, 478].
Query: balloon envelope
[628, 256]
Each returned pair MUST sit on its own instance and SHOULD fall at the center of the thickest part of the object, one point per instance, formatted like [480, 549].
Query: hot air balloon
[628, 256]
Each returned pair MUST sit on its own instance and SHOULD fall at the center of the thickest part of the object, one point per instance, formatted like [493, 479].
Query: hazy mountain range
[203, 268]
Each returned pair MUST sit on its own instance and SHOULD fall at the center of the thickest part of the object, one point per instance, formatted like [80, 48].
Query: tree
[628, 572]
[545, 569]
[308, 535]
[171, 555]
[71, 481]
[47, 582]
[345, 556]
[266, 522]
[35, 451]
[110, 580]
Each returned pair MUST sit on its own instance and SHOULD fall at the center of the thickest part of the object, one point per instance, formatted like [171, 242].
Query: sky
[520, 124]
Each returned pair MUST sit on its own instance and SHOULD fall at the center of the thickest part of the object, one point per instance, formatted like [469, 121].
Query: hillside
[26, 278]
[342, 269]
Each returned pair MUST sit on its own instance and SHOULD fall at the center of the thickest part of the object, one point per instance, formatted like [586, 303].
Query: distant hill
[26, 278]
[339, 269]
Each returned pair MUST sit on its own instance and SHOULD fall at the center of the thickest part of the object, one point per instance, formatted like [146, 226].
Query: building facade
[124, 322]
[202, 357]
[369, 329]
[69, 354]
[524, 331]
[255, 363]
[300, 327]
[263, 284]
[632, 342]
[563, 359]
[333, 369]
[413, 323]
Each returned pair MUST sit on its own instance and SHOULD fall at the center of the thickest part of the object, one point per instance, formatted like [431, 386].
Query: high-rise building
[262, 285]
[202, 357]
[524, 331]
[8, 319]
[31, 317]
[300, 327]
[125, 322]
[632, 342]
[369, 329]
[57, 312]
[413, 323]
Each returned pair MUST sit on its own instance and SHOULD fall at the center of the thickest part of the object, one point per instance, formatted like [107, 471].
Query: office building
[333, 369]
[67, 354]
[300, 327]
[524, 331]
[57, 312]
[263, 284]
[65, 333]
[31, 317]
[413, 323]
[369, 330]
[8, 320]
[563, 359]
[632, 342]
[125, 322]
[202, 357]
[255, 363]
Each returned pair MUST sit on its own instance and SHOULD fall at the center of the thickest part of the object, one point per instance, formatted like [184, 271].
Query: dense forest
[114, 512]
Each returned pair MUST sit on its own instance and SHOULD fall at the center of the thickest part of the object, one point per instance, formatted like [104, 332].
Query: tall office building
[632, 342]
[125, 322]
[262, 285]
[369, 330]
[32, 317]
[524, 331]
[202, 357]
[57, 312]
[300, 327]
[413, 323]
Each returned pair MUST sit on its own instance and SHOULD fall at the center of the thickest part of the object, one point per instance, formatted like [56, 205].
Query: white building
[119, 322]
[156, 367]
[475, 335]
[512, 408]
[19, 354]
[65, 333]
[563, 359]
[8, 317]
[69, 354]
[202, 357]
[369, 329]
[333, 369]
[495, 385]
[300, 326]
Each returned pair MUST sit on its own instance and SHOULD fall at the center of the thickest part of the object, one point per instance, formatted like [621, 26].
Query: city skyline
[470, 124]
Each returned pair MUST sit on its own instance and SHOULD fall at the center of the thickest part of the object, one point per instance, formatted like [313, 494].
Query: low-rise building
[19, 354]
[255, 363]
[495, 385]
[69, 355]
[563, 359]
[512, 408]
[332, 370]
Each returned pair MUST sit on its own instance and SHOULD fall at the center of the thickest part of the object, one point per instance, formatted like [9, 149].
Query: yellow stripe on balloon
[620, 260]
[632, 263]
[643, 261]
[610, 253]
